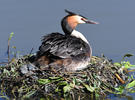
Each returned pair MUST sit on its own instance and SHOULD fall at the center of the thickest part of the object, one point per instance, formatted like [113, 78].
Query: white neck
[79, 35]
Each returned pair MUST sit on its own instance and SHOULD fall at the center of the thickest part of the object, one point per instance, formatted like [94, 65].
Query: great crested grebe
[69, 52]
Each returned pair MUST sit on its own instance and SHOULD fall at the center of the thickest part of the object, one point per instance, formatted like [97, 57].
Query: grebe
[69, 52]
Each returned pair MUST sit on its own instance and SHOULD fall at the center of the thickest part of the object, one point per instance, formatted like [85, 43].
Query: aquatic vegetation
[129, 68]
[21, 80]
[100, 78]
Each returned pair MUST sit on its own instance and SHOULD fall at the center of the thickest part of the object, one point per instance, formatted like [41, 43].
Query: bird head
[78, 19]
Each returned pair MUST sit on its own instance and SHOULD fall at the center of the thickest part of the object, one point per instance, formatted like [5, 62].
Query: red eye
[83, 19]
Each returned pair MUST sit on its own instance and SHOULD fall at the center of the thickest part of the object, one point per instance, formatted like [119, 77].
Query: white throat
[79, 35]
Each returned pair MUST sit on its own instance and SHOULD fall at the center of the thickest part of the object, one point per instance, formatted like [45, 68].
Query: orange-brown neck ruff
[71, 20]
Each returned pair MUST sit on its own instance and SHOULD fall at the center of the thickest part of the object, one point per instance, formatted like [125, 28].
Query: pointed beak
[91, 22]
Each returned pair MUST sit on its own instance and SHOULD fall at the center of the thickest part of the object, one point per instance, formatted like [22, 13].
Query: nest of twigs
[20, 79]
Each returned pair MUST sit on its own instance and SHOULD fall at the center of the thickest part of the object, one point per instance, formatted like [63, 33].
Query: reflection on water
[121, 97]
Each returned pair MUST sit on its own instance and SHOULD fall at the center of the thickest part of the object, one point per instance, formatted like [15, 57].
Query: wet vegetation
[21, 80]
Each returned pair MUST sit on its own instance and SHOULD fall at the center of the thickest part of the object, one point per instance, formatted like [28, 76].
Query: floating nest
[21, 80]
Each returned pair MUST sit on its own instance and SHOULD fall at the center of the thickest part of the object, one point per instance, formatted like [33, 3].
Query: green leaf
[120, 89]
[29, 94]
[11, 35]
[89, 88]
[131, 90]
[5, 71]
[131, 84]
[72, 85]
[14, 47]
[12, 69]
[54, 79]
[44, 81]
[62, 83]
[66, 88]
[127, 64]
[128, 55]
[57, 89]
[132, 65]
[43, 99]
[117, 64]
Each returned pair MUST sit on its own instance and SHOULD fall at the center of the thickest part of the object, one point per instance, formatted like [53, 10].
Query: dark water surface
[31, 19]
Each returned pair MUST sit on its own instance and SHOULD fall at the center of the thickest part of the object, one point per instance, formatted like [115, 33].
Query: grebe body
[69, 52]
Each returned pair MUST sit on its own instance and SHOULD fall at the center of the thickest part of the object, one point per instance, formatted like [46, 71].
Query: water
[31, 19]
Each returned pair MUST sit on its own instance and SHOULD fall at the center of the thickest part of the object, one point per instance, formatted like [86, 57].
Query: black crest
[72, 13]
[69, 12]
